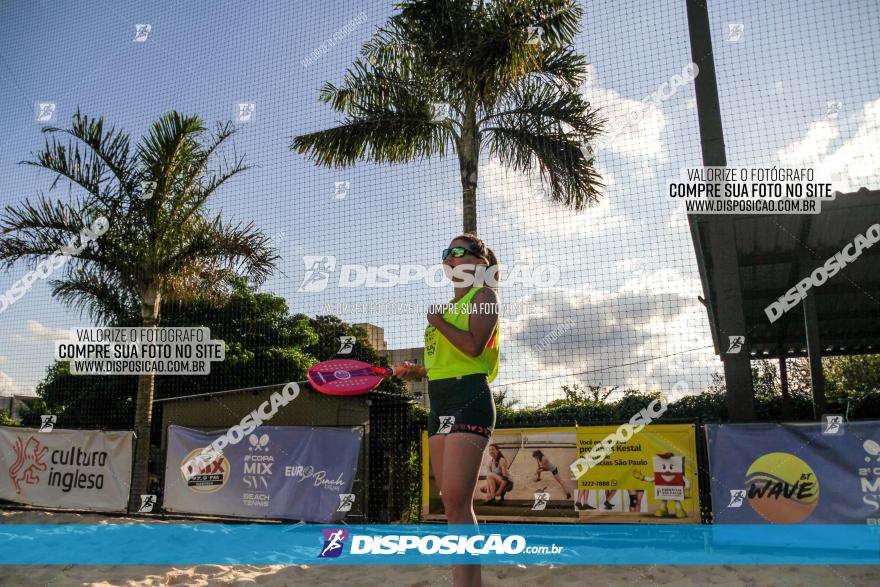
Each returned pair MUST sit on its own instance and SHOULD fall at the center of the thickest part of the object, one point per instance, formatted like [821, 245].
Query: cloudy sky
[798, 87]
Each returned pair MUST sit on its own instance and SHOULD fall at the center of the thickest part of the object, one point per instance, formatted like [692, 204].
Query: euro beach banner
[795, 473]
[68, 469]
[292, 472]
[651, 477]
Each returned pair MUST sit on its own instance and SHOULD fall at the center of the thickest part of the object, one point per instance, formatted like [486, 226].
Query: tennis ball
[782, 488]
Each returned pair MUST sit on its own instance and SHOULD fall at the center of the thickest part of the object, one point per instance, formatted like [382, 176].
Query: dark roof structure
[776, 251]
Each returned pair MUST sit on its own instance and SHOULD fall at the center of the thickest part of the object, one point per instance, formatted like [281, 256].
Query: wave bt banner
[811, 473]
[290, 472]
[75, 469]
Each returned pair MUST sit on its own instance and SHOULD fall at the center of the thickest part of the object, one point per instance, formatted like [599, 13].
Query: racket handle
[385, 371]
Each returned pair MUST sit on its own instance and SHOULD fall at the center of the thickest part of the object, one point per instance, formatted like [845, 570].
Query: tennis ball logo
[782, 488]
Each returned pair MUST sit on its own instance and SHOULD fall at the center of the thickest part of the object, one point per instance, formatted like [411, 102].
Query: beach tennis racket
[346, 376]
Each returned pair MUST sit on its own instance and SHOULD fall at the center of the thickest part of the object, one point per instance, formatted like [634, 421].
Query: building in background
[376, 338]
[16, 405]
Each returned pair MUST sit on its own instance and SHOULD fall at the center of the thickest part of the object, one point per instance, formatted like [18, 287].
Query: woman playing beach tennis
[461, 358]
[544, 464]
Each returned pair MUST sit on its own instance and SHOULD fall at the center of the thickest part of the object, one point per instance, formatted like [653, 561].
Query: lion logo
[28, 460]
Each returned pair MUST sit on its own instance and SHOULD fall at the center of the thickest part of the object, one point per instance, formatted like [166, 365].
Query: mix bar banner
[76, 469]
[649, 476]
[275, 472]
[812, 473]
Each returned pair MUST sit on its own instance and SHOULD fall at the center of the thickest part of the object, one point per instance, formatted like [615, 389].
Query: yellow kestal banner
[649, 477]
[652, 477]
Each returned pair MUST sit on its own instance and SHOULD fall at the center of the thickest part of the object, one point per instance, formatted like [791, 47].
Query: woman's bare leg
[435, 457]
[609, 495]
[462, 456]
[495, 484]
[561, 484]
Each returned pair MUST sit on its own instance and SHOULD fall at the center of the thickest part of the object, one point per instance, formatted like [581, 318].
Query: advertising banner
[647, 477]
[809, 473]
[276, 472]
[800, 548]
[75, 469]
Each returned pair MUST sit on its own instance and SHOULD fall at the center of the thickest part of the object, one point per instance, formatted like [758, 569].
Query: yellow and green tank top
[444, 360]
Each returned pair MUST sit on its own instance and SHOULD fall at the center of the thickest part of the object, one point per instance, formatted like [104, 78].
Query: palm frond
[507, 69]
[37, 229]
[100, 295]
[221, 248]
[388, 137]
[547, 127]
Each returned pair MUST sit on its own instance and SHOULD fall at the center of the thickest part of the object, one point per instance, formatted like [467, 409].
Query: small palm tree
[504, 402]
[160, 242]
[466, 75]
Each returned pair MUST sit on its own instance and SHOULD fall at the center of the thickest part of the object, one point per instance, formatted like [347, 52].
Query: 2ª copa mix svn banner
[295, 472]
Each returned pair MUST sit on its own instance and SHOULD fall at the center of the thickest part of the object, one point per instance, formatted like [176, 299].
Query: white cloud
[678, 220]
[660, 281]
[38, 333]
[619, 338]
[508, 203]
[632, 128]
[852, 164]
[8, 386]
[814, 146]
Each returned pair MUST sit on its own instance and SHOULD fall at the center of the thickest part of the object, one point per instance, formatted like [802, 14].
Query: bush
[6, 420]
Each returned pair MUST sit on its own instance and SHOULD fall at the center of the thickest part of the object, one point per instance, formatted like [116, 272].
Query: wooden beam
[726, 295]
[814, 345]
[783, 379]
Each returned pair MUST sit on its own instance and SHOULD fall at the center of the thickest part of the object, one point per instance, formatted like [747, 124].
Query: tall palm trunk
[143, 418]
[468, 163]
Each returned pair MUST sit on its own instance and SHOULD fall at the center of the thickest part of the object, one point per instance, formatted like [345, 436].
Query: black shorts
[461, 404]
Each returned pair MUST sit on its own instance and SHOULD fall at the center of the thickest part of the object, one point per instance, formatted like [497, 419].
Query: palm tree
[503, 402]
[467, 75]
[160, 243]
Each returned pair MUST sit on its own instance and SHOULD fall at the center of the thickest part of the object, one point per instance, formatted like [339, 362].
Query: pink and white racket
[346, 376]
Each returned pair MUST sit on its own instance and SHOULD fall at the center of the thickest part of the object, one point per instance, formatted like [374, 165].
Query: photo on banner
[770, 473]
[650, 478]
